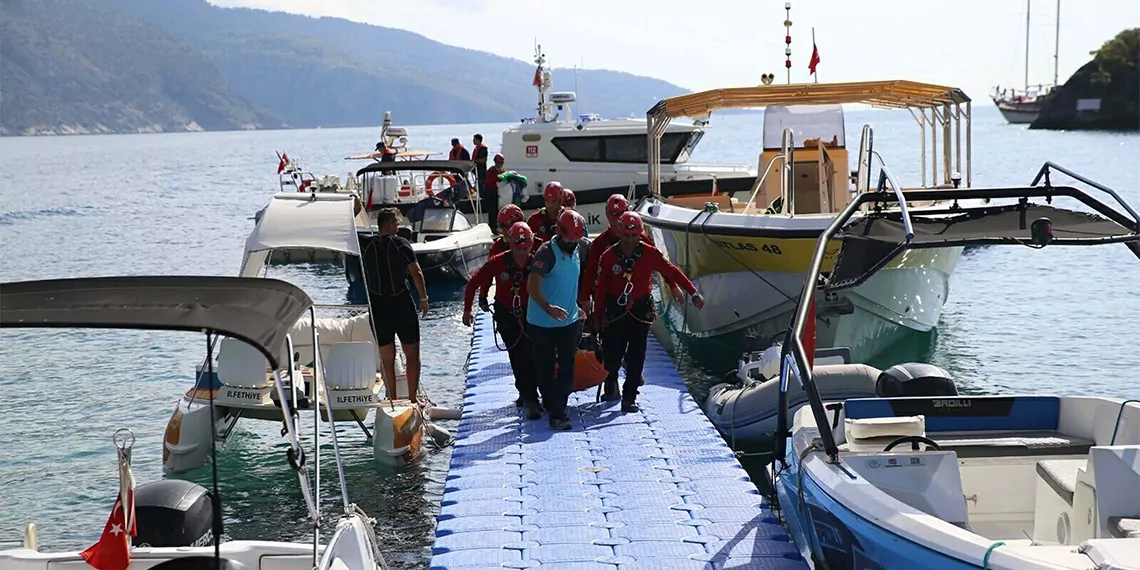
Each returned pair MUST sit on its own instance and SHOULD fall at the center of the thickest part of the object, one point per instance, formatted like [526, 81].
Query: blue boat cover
[656, 489]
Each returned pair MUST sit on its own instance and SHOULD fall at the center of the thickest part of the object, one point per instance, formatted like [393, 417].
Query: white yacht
[597, 157]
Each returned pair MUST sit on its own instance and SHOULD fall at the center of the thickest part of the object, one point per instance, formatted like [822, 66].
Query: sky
[971, 44]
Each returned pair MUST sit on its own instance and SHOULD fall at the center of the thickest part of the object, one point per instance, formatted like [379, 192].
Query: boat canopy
[893, 94]
[305, 220]
[259, 312]
[460, 167]
[807, 122]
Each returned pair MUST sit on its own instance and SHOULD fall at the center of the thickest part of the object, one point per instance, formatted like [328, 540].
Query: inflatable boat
[745, 411]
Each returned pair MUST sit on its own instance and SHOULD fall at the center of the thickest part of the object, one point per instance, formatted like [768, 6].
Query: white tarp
[323, 221]
[824, 122]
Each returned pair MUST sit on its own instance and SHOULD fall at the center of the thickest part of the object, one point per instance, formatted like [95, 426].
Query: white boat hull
[259, 554]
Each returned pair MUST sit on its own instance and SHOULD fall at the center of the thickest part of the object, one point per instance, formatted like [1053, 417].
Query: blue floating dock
[656, 489]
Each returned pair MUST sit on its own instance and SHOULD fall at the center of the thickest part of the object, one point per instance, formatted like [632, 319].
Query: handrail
[788, 182]
[295, 453]
[1044, 173]
[885, 176]
[760, 183]
[866, 153]
[322, 387]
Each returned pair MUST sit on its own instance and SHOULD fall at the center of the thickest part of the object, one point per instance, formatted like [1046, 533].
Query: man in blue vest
[553, 316]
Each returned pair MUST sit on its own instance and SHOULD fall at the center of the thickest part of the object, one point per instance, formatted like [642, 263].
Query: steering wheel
[914, 440]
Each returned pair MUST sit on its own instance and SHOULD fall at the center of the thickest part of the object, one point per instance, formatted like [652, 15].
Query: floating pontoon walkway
[657, 489]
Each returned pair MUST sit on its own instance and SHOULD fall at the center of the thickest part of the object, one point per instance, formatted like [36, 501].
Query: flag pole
[815, 74]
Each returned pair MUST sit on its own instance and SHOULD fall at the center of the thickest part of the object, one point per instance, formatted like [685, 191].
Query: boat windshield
[632, 149]
[807, 122]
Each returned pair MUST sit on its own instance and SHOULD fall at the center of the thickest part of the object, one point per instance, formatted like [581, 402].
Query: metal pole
[815, 74]
[969, 155]
[788, 40]
[1027, 4]
[1057, 46]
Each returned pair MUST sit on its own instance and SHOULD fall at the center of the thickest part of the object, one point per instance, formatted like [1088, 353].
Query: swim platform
[655, 489]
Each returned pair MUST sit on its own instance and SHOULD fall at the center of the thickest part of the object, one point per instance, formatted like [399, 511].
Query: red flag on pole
[113, 551]
[814, 59]
[283, 159]
[537, 77]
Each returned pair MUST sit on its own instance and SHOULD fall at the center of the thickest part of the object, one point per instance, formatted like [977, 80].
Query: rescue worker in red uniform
[544, 222]
[508, 215]
[616, 205]
[625, 310]
[510, 270]
[569, 200]
[492, 182]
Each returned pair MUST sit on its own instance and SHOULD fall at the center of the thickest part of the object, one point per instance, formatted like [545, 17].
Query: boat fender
[173, 513]
[442, 413]
[439, 435]
[915, 379]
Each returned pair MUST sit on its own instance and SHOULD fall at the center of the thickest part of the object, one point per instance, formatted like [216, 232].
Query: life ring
[436, 176]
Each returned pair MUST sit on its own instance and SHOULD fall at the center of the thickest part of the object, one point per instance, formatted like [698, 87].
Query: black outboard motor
[173, 513]
[915, 379]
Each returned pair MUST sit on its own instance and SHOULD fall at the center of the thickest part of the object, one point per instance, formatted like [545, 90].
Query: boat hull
[1019, 113]
[455, 264]
[751, 285]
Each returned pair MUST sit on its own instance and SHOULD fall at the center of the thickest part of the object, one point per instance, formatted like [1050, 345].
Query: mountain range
[106, 66]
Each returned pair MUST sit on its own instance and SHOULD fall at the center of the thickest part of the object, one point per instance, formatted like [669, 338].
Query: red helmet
[571, 225]
[616, 205]
[552, 191]
[569, 200]
[498, 156]
[520, 236]
[510, 214]
[629, 224]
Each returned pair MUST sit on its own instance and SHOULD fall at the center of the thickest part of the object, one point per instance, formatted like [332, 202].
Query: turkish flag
[814, 59]
[284, 160]
[537, 77]
[113, 551]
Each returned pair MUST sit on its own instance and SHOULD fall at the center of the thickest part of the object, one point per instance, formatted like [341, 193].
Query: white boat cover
[323, 221]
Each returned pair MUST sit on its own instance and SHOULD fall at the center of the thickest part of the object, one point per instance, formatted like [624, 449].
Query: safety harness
[515, 275]
[622, 304]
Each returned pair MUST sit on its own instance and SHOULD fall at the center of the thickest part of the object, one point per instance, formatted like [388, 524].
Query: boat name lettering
[354, 399]
[593, 220]
[204, 540]
[243, 394]
[746, 246]
[829, 536]
[959, 403]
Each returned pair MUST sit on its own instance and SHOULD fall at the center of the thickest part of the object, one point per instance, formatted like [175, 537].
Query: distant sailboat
[1022, 106]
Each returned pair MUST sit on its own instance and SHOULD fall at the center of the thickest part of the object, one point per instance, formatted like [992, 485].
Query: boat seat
[241, 365]
[1124, 527]
[350, 366]
[1012, 444]
[1061, 475]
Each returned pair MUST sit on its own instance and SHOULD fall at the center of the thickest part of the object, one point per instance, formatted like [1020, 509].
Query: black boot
[629, 397]
[532, 409]
[611, 392]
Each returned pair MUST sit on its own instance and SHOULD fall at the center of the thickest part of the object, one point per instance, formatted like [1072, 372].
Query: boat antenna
[216, 500]
[1028, 3]
[788, 39]
[539, 81]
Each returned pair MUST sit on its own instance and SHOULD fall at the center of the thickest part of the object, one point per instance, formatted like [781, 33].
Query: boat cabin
[819, 155]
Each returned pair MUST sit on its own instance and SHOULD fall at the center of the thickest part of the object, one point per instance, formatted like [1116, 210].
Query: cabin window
[624, 148]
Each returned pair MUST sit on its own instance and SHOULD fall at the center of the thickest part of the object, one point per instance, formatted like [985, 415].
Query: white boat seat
[1061, 475]
[1124, 527]
[1012, 444]
[241, 365]
[872, 434]
[350, 366]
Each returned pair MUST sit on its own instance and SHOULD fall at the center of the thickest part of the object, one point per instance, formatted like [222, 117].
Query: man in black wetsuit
[390, 299]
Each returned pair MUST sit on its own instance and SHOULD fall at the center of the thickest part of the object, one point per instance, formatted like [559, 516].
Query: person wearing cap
[553, 316]
[545, 221]
[616, 205]
[623, 307]
[510, 271]
[491, 186]
[570, 202]
[457, 151]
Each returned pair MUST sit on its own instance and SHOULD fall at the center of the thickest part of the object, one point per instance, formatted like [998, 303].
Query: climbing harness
[626, 265]
[515, 275]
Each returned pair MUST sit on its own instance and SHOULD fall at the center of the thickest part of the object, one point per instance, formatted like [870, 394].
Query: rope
[368, 525]
[989, 551]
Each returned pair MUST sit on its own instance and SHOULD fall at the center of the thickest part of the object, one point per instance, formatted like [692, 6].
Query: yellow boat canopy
[898, 94]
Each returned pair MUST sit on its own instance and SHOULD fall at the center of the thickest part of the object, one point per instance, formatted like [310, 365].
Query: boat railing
[1048, 167]
[788, 180]
[866, 151]
[751, 205]
[886, 177]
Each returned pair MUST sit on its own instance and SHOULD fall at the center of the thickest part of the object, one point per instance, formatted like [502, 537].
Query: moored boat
[1009, 481]
[749, 252]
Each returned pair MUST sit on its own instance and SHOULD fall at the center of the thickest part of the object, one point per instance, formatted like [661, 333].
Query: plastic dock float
[656, 489]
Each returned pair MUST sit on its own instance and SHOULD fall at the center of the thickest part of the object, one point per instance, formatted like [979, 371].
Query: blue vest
[560, 287]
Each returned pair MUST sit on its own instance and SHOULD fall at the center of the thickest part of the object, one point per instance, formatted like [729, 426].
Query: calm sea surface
[1058, 320]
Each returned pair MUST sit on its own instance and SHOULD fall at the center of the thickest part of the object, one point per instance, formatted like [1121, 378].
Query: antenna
[788, 39]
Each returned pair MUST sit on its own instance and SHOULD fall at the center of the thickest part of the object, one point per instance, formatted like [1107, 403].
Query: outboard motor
[173, 513]
[915, 379]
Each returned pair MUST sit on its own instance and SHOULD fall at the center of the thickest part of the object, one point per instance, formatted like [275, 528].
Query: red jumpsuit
[510, 314]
